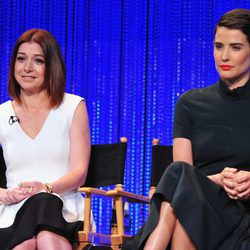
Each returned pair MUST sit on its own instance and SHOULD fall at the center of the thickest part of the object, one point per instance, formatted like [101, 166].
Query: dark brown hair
[55, 72]
[238, 19]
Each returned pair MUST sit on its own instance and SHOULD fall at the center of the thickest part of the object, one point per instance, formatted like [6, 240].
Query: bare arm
[182, 150]
[79, 156]
[79, 152]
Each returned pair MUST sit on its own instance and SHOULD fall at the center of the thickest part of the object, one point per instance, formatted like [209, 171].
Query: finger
[10, 197]
[232, 170]
[18, 195]
[232, 197]
[229, 175]
[242, 176]
[229, 184]
[26, 187]
[26, 184]
[242, 191]
[230, 191]
[243, 195]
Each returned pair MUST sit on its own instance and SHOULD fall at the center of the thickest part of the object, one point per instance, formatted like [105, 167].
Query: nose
[225, 55]
[28, 66]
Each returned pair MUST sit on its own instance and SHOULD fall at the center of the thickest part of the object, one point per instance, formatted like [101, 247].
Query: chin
[234, 80]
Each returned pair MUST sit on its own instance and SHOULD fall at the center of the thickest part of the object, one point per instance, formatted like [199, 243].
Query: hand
[31, 187]
[11, 196]
[218, 178]
[236, 183]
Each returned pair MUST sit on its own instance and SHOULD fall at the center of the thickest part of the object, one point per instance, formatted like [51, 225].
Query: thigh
[47, 240]
[208, 215]
[28, 244]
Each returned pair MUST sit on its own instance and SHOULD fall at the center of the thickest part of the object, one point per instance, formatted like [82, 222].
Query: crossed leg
[26, 245]
[45, 240]
[168, 228]
[180, 239]
[50, 241]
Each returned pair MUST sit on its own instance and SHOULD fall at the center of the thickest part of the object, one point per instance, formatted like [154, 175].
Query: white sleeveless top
[44, 158]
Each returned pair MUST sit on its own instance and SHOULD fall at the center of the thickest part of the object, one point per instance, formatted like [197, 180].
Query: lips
[28, 77]
[226, 67]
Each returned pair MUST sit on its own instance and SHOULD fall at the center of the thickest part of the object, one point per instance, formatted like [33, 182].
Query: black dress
[40, 212]
[217, 121]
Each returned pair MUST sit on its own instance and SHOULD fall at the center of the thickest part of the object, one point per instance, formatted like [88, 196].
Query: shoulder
[71, 98]
[69, 106]
[70, 102]
[198, 94]
[5, 105]
[6, 112]
[5, 108]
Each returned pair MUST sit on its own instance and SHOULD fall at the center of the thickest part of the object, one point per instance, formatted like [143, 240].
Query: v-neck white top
[44, 158]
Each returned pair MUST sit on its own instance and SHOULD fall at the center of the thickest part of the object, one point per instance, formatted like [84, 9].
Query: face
[30, 67]
[232, 56]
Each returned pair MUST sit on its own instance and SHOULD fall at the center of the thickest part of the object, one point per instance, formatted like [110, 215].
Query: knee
[45, 233]
[45, 236]
[177, 167]
[173, 173]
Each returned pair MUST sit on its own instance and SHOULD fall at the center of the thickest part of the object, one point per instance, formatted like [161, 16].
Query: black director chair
[107, 163]
[162, 156]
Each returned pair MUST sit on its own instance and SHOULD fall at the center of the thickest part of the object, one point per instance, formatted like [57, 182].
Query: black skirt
[40, 212]
[212, 220]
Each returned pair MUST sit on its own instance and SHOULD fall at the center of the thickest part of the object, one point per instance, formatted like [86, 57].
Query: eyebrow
[25, 54]
[236, 43]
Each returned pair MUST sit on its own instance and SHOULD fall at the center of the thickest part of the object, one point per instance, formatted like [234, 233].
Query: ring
[30, 189]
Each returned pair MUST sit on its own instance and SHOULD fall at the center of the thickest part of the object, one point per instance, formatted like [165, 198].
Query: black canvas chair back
[106, 167]
[162, 156]
[2, 170]
[107, 163]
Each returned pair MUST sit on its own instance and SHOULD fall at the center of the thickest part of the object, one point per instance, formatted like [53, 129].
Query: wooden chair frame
[119, 196]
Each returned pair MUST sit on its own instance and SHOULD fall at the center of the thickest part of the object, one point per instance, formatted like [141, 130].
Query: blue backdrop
[130, 59]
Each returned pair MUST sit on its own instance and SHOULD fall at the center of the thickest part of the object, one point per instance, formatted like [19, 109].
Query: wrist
[48, 188]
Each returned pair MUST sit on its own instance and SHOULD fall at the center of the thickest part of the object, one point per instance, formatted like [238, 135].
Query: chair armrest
[152, 191]
[91, 190]
[130, 197]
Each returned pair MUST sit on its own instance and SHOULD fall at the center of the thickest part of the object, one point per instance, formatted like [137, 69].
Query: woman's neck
[238, 82]
[35, 101]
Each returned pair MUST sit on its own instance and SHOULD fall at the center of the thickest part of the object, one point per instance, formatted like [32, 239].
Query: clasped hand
[23, 191]
[236, 183]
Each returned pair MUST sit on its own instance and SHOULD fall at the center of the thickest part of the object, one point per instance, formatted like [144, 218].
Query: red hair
[55, 72]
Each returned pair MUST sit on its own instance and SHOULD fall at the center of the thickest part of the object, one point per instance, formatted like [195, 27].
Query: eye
[236, 47]
[39, 61]
[20, 58]
[218, 46]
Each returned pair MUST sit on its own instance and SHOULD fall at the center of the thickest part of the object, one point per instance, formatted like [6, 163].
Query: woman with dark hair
[202, 200]
[44, 133]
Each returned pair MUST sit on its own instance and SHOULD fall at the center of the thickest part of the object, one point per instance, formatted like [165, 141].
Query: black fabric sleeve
[182, 120]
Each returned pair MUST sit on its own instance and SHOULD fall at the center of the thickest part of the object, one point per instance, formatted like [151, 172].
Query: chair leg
[83, 235]
[87, 212]
[119, 215]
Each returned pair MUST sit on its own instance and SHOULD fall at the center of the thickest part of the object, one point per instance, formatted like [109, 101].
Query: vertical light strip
[130, 60]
